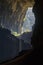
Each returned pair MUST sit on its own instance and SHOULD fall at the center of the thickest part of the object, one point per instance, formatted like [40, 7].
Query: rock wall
[12, 13]
[37, 38]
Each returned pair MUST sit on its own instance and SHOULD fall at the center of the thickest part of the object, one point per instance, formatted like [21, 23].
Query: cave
[35, 55]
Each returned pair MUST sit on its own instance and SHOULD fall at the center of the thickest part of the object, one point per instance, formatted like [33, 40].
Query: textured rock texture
[12, 13]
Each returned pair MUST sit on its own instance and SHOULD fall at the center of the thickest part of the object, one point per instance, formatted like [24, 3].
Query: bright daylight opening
[29, 21]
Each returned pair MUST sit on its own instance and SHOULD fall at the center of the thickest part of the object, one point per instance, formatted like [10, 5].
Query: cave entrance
[27, 24]
[27, 29]
[12, 42]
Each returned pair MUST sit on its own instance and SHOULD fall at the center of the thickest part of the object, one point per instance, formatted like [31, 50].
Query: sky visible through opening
[29, 20]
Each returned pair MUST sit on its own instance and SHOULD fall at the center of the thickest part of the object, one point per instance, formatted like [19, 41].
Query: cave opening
[9, 43]
[16, 27]
[27, 30]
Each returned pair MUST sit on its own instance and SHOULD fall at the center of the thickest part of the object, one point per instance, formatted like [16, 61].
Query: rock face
[37, 39]
[9, 45]
[12, 13]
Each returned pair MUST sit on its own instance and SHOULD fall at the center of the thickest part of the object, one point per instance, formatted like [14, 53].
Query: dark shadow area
[26, 40]
[9, 45]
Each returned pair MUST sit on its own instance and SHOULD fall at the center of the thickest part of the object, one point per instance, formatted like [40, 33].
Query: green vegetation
[15, 34]
[18, 34]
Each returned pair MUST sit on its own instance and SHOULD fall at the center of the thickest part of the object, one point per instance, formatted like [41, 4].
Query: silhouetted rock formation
[26, 40]
[9, 45]
[26, 36]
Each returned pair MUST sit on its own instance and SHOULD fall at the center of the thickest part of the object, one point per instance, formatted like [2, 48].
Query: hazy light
[29, 20]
